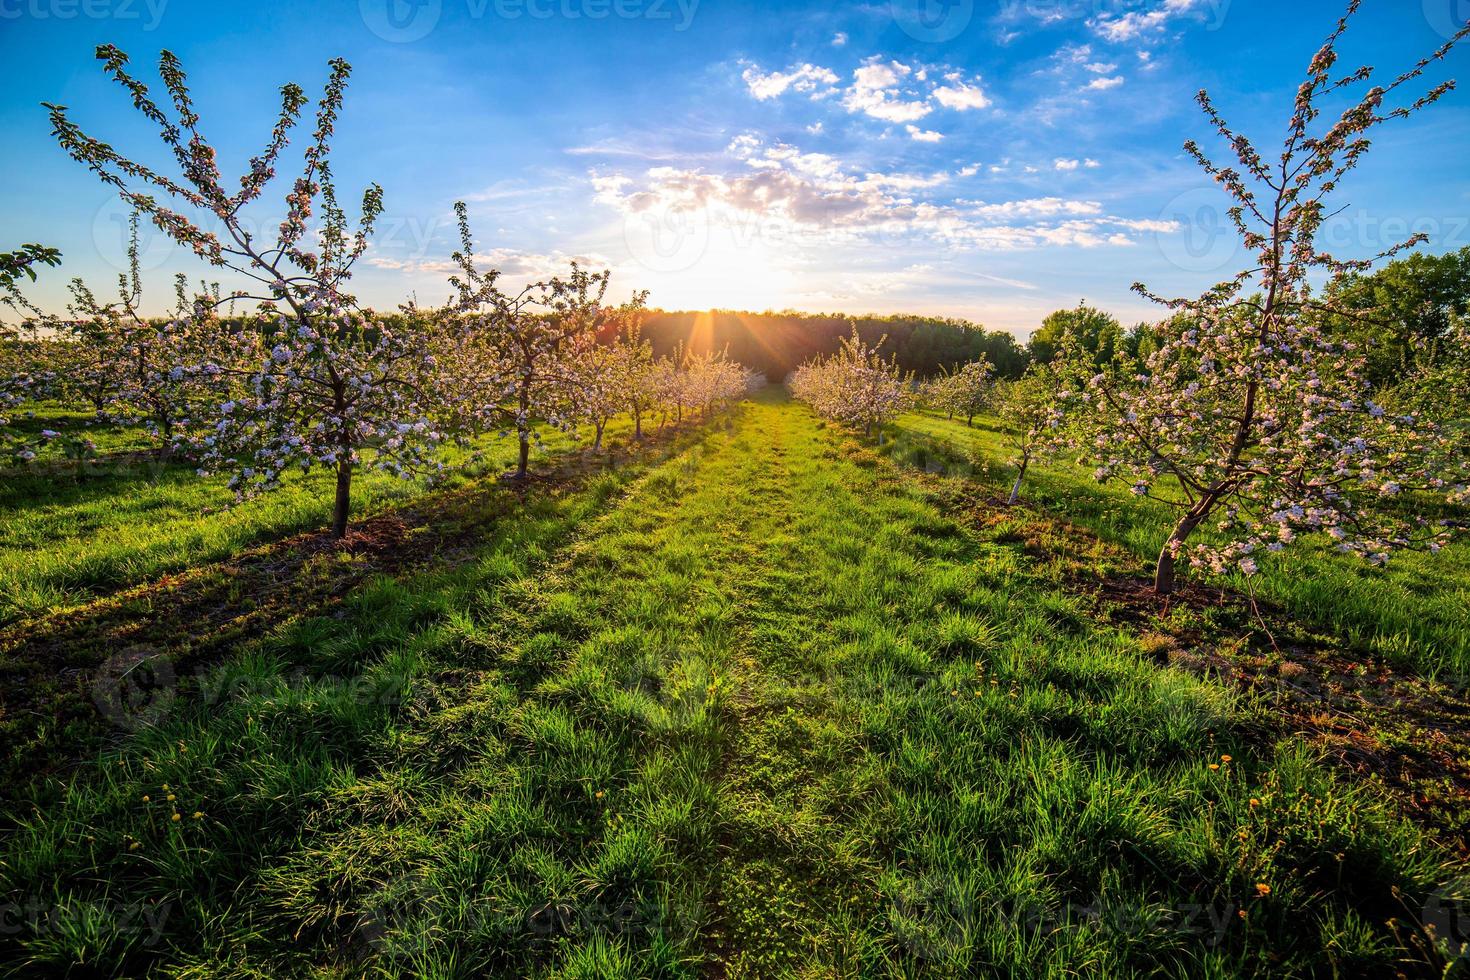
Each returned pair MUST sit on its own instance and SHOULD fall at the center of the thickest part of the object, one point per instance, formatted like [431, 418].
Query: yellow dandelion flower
[1255, 802]
[1214, 766]
[1224, 758]
[198, 814]
[175, 818]
[1262, 889]
[134, 846]
[599, 794]
[147, 798]
[170, 797]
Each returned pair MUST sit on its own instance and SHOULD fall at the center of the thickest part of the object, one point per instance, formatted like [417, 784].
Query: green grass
[1415, 613]
[70, 532]
[763, 710]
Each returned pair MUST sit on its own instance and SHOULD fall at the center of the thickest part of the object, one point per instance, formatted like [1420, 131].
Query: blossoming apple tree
[711, 381]
[1248, 418]
[599, 390]
[854, 386]
[1035, 419]
[25, 374]
[136, 370]
[962, 392]
[532, 338]
[1439, 389]
[634, 374]
[311, 380]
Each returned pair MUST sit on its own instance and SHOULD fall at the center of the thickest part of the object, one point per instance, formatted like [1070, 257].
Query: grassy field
[766, 707]
[71, 531]
[1414, 613]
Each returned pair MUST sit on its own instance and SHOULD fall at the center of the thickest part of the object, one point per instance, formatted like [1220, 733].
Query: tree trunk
[597, 442]
[344, 498]
[638, 426]
[1164, 571]
[1016, 487]
[970, 422]
[523, 430]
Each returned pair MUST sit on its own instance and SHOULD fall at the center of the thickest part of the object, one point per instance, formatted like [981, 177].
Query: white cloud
[876, 92]
[1103, 84]
[1142, 24]
[924, 135]
[1149, 225]
[1036, 207]
[1066, 166]
[959, 94]
[795, 199]
[805, 78]
[891, 91]
[1091, 164]
[839, 39]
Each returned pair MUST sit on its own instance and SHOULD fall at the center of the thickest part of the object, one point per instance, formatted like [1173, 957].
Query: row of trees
[310, 379]
[1253, 409]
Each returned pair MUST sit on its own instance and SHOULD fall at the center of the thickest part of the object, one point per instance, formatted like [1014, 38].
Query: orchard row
[308, 378]
[1249, 416]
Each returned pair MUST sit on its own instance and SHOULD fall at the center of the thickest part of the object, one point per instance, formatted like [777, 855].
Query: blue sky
[991, 159]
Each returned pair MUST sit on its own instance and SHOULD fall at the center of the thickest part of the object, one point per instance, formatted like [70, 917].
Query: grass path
[772, 713]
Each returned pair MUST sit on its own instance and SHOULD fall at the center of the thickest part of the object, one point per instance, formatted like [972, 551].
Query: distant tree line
[777, 343]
